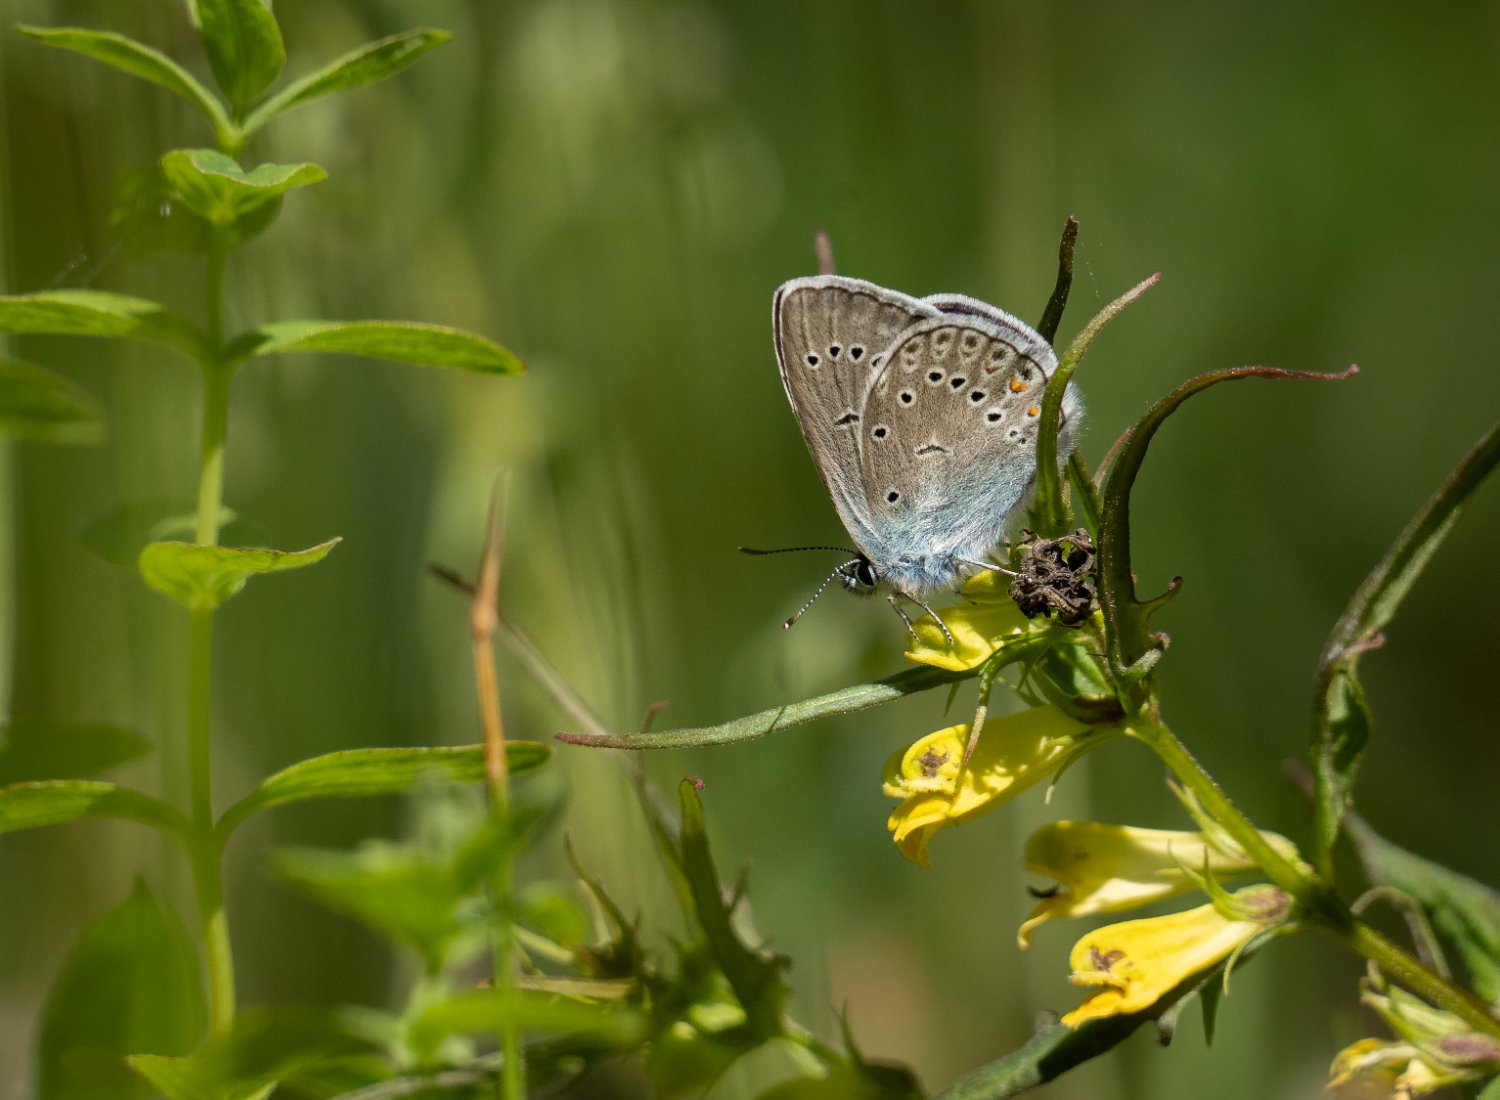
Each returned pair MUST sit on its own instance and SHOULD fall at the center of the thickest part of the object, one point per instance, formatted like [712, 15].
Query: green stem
[1318, 903]
[208, 879]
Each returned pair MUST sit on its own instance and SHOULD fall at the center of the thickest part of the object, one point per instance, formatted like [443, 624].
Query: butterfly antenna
[801, 610]
[796, 549]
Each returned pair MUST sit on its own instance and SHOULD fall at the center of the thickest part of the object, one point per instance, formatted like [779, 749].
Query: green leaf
[397, 890]
[402, 341]
[203, 577]
[844, 701]
[754, 976]
[365, 65]
[130, 984]
[120, 536]
[217, 189]
[98, 313]
[31, 751]
[55, 802]
[1490, 1091]
[1465, 912]
[1046, 1056]
[363, 773]
[848, 1082]
[1341, 719]
[265, 1046]
[137, 59]
[43, 407]
[490, 1010]
[244, 47]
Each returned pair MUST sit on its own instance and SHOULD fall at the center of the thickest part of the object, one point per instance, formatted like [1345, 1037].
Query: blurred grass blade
[244, 47]
[31, 751]
[137, 59]
[99, 313]
[203, 577]
[754, 976]
[489, 1010]
[364, 773]
[42, 407]
[130, 984]
[1050, 1052]
[214, 186]
[57, 801]
[1341, 720]
[402, 341]
[1465, 912]
[845, 701]
[365, 65]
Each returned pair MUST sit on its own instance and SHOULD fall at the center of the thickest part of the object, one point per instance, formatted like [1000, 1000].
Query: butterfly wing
[949, 433]
[832, 335]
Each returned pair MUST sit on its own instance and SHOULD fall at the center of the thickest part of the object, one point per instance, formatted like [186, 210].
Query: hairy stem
[1312, 895]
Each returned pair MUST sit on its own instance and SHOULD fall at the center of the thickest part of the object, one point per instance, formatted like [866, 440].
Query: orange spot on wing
[1035, 410]
[1016, 385]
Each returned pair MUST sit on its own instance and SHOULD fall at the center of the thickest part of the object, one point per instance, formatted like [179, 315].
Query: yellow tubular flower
[1134, 964]
[1015, 752]
[1103, 868]
[987, 623]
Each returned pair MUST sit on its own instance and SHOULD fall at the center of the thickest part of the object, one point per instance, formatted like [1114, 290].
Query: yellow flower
[1103, 868]
[937, 789]
[987, 623]
[1134, 964]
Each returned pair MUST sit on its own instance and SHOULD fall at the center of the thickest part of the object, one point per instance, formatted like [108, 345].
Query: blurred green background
[613, 189]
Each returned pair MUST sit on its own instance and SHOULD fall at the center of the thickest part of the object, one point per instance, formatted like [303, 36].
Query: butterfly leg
[937, 619]
[891, 599]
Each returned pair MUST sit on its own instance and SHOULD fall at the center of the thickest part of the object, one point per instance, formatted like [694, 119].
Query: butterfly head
[859, 575]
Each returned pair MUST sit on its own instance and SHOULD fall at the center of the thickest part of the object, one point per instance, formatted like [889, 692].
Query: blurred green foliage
[613, 188]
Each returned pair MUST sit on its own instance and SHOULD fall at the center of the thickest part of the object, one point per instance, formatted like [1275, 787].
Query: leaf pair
[246, 54]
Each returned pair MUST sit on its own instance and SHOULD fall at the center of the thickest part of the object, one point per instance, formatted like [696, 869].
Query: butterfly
[922, 417]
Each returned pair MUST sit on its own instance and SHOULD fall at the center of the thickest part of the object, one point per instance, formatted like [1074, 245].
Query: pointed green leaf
[402, 341]
[490, 1010]
[55, 802]
[43, 407]
[365, 65]
[218, 190]
[203, 577]
[754, 976]
[31, 751]
[120, 536]
[1341, 720]
[244, 47]
[130, 984]
[98, 313]
[844, 701]
[363, 773]
[265, 1046]
[1463, 911]
[137, 59]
